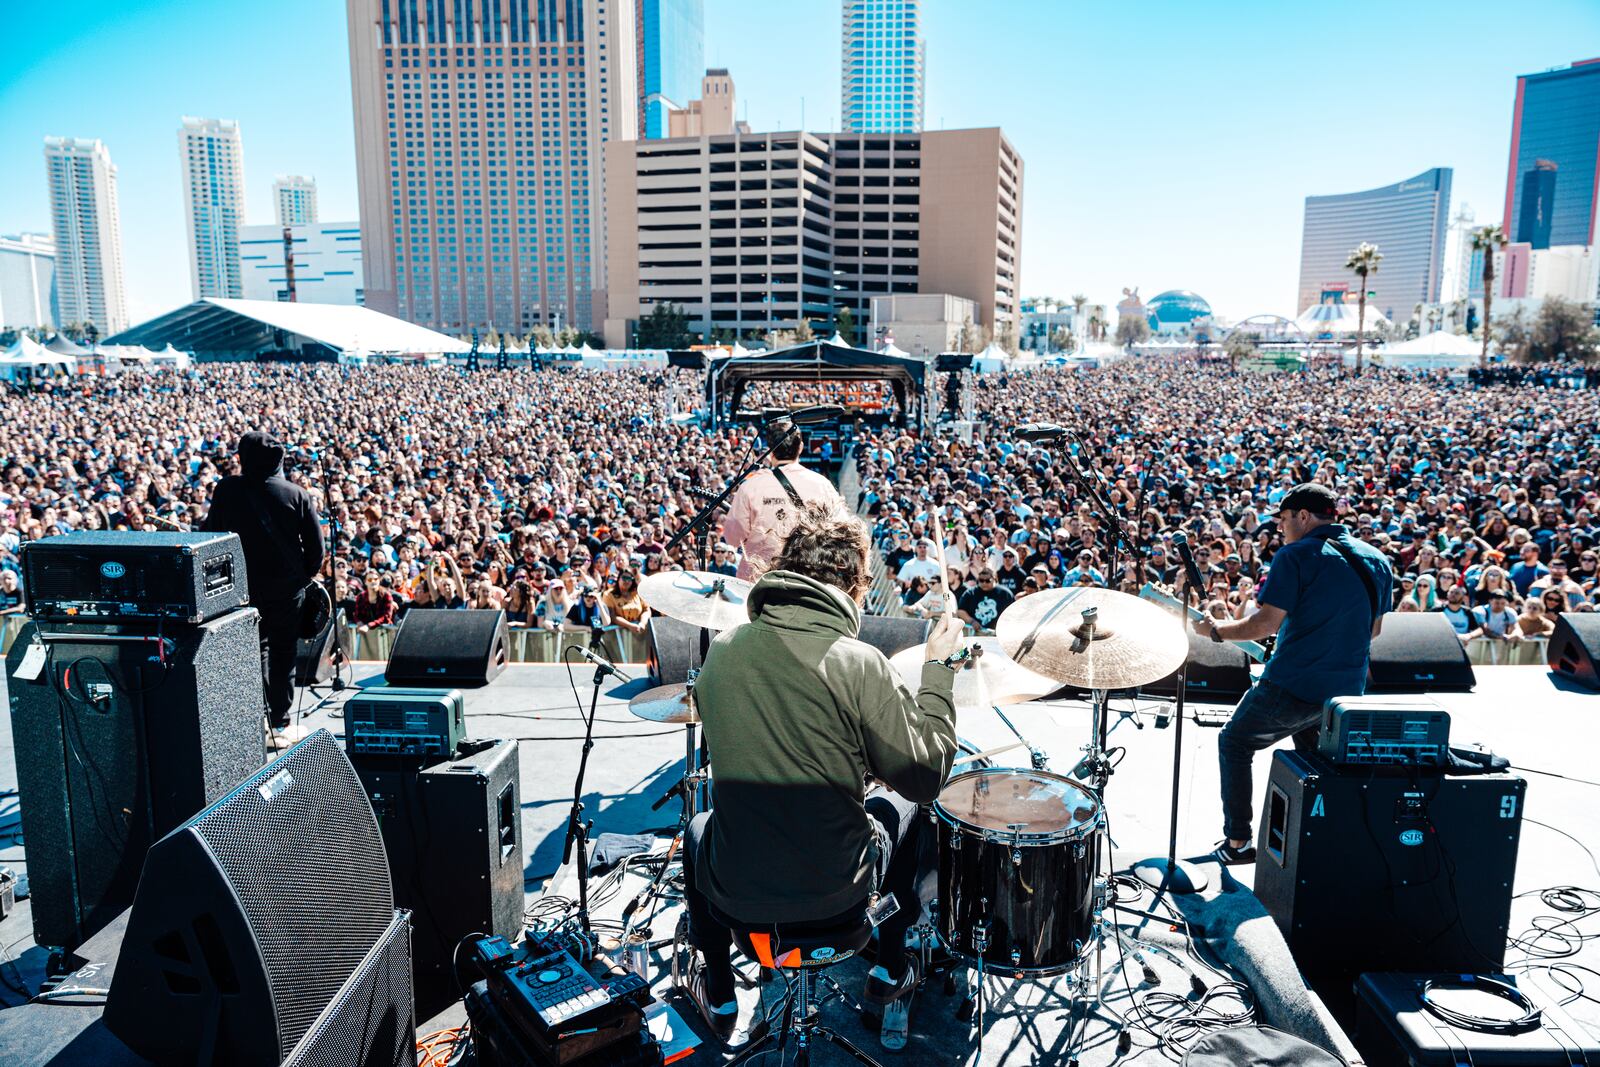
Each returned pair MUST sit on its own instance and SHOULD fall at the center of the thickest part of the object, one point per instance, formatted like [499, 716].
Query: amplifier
[1373, 871]
[1385, 730]
[111, 577]
[1395, 1028]
[424, 724]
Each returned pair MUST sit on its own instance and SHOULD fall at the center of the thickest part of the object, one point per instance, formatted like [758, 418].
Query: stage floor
[1523, 713]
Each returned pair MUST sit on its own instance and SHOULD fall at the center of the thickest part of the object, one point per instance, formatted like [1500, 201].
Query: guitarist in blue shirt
[1324, 597]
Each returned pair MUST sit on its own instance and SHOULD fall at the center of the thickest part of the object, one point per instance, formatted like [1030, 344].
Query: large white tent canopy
[241, 329]
[1337, 319]
[1439, 349]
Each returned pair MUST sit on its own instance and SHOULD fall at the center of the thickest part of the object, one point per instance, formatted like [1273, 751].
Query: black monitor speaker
[1218, 672]
[251, 918]
[448, 649]
[1418, 653]
[1574, 648]
[890, 634]
[673, 648]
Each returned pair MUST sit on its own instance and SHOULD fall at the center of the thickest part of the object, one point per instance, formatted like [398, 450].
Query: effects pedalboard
[562, 1012]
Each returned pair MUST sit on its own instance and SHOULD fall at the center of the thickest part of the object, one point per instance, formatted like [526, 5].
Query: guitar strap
[1361, 572]
[788, 487]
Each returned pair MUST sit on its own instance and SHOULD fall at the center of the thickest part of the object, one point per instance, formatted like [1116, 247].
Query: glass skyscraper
[881, 66]
[672, 59]
[1555, 138]
[1408, 222]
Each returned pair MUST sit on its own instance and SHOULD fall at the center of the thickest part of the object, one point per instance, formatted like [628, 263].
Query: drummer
[767, 504]
[797, 712]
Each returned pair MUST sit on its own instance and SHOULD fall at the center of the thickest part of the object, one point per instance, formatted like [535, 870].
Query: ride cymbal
[1093, 638]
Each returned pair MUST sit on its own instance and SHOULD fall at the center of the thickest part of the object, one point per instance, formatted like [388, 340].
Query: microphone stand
[577, 829]
[1169, 874]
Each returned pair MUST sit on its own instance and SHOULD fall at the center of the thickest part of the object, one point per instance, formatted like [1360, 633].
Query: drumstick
[944, 564]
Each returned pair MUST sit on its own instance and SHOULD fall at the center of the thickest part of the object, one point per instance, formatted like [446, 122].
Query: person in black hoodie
[278, 526]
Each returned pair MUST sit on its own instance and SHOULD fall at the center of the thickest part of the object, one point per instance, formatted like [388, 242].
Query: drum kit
[1024, 860]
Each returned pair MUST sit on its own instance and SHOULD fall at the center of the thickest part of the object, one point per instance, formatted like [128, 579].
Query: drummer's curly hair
[829, 545]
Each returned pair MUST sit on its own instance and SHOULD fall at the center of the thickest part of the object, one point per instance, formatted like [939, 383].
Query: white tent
[892, 349]
[1337, 319]
[993, 358]
[1440, 350]
[28, 359]
[838, 339]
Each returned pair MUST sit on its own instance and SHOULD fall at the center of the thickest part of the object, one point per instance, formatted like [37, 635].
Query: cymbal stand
[1035, 756]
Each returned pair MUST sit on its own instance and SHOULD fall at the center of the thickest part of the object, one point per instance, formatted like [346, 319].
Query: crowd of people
[1484, 497]
[552, 495]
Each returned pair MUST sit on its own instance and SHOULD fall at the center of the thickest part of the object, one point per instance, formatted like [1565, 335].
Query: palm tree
[1363, 260]
[1078, 300]
[1488, 240]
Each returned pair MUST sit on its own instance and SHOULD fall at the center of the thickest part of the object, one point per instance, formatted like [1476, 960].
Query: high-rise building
[671, 50]
[327, 262]
[881, 66]
[1555, 142]
[27, 280]
[752, 232]
[1463, 270]
[479, 136]
[294, 200]
[88, 234]
[211, 157]
[1407, 221]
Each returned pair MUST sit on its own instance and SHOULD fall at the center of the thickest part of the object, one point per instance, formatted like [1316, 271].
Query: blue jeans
[1266, 715]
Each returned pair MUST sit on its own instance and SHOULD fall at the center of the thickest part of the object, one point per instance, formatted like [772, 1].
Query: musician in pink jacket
[763, 510]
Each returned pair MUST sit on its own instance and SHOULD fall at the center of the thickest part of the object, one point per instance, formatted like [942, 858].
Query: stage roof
[238, 329]
[728, 378]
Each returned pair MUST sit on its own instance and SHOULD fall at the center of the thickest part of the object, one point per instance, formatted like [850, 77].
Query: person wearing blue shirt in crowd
[1527, 570]
[1325, 613]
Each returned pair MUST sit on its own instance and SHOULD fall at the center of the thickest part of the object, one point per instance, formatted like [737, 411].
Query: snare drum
[1016, 869]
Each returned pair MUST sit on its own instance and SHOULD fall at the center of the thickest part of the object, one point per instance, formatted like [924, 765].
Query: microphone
[604, 665]
[1040, 431]
[807, 416]
[1190, 570]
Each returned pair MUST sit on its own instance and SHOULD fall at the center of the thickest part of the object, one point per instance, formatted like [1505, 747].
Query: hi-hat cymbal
[665, 703]
[699, 598]
[1122, 642]
[988, 680]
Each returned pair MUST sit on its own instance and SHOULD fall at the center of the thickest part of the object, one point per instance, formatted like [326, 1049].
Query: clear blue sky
[1167, 144]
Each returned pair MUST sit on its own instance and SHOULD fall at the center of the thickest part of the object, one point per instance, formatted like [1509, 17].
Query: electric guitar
[1160, 596]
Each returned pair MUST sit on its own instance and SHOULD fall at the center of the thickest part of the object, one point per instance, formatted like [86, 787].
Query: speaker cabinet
[1418, 652]
[674, 648]
[253, 916]
[1573, 650]
[124, 734]
[1218, 671]
[1382, 871]
[448, 649]
[372, 1021]
[891, 634]
[453, 833]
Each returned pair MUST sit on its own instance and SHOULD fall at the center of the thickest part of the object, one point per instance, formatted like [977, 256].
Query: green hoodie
[797, 713]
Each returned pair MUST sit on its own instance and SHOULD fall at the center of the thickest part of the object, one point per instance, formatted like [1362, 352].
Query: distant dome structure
[1176, 310]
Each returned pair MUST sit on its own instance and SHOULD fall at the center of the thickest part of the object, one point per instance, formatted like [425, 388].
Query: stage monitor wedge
[251, 917]
[1418, 653]
[1573, 651]
[439, 648]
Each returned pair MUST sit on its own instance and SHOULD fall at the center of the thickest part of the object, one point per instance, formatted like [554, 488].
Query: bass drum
[1016, 869]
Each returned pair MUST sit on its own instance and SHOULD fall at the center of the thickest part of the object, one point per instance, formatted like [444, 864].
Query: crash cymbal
[699, 598]
[664, 703]
[1122, 641]
[988, 680]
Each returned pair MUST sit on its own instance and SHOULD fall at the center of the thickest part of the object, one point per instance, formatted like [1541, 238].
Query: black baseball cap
[1317, 499]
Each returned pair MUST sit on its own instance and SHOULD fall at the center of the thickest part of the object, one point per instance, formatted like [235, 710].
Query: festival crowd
[550, 495]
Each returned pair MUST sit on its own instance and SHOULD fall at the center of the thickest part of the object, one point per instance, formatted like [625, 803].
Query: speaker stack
[1573, 651]
[136, 700]
[450, 808]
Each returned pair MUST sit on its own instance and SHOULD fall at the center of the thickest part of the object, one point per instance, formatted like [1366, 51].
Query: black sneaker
[1229, 856]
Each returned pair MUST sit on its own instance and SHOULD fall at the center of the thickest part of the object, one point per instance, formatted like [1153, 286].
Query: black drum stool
[802, 952]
